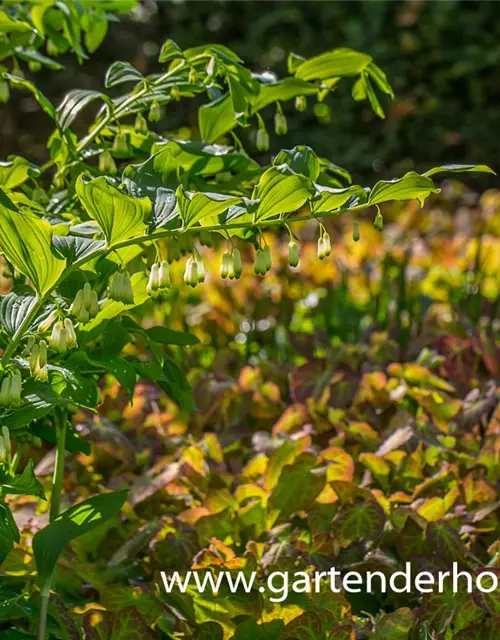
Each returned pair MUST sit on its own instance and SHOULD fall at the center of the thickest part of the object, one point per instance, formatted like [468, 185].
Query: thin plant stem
[43, 616]
[58, 478]
[60, 420]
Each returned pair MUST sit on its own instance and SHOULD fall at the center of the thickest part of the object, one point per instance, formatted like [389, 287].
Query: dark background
[442, 58]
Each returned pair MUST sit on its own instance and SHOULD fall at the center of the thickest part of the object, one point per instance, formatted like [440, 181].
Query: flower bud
[355, 232]
[378, 223]
[48, 322]
[4, 91]
[237, 263]
[175, 94]
[280, 124]
[141, 124]
[56, 341]
[205, 238]
[93, 308]
[121, 288]
[78, 304]
[164, 275]
[173, 252]
[200, 267]
[15, 388]
[154, 114]
[2, 450]
[266, 260]
[260, 264]
[191, 272]
[225, 265]
[262, 140]
[87, 294]
[107, 163]
[5, 391]
[153, 282]
[34, 360]
[293, 254]
[43, 354]
[60, 338]
[324, 246]
[185, 243]
[38, 361]
[6, 440]
[120, 144]
[68, 325]
[301, 103]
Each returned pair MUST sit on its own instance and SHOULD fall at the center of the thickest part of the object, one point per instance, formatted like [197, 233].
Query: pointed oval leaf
[9, 533]
[73, 103]
[459, 168]
[411, 186]
[120, 72]
[26, 242]
[194, 206]
[335, 64]
[216, 118]
[119, 216]
[280, 190]
[49, 543]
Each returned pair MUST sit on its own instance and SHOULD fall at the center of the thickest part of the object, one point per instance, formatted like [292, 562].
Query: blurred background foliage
[442, 58]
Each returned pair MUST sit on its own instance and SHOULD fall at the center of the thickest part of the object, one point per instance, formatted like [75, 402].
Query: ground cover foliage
[340, 411]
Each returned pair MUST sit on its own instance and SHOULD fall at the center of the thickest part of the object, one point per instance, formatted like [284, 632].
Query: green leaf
[459, 168]
[26, 242]
[210, 631]
[125, 624]
[216, 118]
[14, 307]
[297, 487]
[360, 516]
[484, 630]
[251, 630]
[411, 186]
[112, 308]
[119, 216]
[165, 208]
[25, 484]
[76, 248]
[95, 32]
[49, 543]
[336, 63]
[120, 368]
[73, 103]
[280, 190]
[395, 625]
[9, 25]
[379, 78]
[78, 389]
[14, 172]
[169, 336]
[160, 170]
[170, 50]
[42, 100]
[281, 90]
[194, 206]
[38, 400]
[489, 601]
[120, 72]
[9, 533]
[31, 55]
[333, 199]
[300, 159]
[74, 444]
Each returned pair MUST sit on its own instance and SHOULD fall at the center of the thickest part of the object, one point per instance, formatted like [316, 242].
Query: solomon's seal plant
[89, 237]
